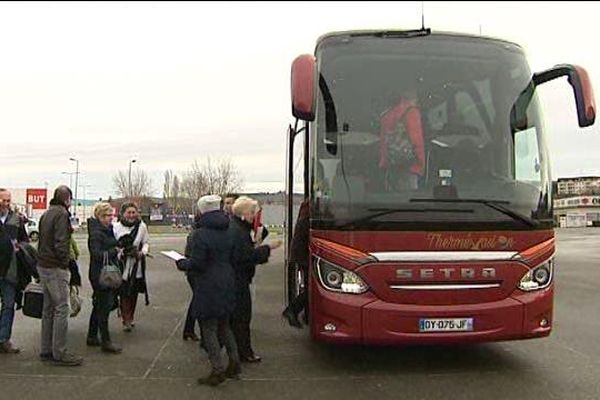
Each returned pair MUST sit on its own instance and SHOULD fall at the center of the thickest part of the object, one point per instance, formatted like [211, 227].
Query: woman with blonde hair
[103, 246]
[246, 256]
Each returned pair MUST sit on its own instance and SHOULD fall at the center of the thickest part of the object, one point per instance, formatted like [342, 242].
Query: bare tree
[172, 192]
[141, 184]
[167, 186]
[218, 177]
[223, 177]
[194, 182]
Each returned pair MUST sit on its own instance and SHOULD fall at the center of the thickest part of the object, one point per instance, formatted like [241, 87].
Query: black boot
[292, 318]
[214, 379]
[191, 336]
[93, 341]
[233, 371]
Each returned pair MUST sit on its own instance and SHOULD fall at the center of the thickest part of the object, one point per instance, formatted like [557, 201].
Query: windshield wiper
[392, 33]
[498, 205]
[386, 211]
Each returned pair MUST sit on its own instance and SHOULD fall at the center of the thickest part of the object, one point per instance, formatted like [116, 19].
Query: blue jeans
[7, 315]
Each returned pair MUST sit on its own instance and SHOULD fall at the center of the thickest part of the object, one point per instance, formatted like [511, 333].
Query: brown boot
[214, 379]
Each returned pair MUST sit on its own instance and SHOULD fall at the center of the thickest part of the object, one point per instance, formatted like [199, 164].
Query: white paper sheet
[172, 254]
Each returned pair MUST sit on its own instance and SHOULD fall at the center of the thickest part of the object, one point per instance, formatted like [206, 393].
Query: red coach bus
[428, 177]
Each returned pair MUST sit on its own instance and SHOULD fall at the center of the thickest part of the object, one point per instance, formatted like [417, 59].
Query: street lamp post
[70, 177]
[129, 184]
[76, 183]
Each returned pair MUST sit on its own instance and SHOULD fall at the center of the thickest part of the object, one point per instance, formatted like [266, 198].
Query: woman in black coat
[246, 256]
[190, 322]
[102, 244]
[214, 290]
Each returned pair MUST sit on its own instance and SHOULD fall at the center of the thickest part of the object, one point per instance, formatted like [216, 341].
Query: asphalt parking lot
[158, 364]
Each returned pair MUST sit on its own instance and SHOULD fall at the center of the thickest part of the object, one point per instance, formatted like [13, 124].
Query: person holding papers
[210, 253]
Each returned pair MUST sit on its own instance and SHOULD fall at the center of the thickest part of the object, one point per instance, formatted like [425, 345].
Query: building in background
[159, 211]
[33, 202]
[585, 185]
[577, 202]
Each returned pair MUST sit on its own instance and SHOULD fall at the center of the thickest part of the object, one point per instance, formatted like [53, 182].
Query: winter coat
[134, 270]
[245, 255]
[101, 241]
[74, 252]
[12, 230]
[54, 246]
[210, 251]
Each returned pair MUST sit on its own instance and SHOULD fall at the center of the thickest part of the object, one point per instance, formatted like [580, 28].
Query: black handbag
[33, 300]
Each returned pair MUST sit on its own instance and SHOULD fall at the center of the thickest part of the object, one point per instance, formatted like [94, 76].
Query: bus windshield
[417, 134]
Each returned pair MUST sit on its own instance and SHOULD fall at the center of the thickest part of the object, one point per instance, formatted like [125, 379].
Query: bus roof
[409, 34]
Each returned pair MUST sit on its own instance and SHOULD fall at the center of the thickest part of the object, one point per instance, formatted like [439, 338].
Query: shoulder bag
[110, 276]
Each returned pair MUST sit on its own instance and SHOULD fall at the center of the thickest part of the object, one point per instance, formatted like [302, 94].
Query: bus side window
[527, 156]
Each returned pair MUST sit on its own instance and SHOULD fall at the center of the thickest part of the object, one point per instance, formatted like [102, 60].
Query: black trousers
[240, 322]
[103, 303]
[190, 321]
[300, 302]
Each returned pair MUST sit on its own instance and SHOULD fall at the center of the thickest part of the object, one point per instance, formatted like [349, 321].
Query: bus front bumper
[365, 319]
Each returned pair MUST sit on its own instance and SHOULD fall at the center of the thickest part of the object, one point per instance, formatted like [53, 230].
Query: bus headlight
[539, 277]
[338, 279]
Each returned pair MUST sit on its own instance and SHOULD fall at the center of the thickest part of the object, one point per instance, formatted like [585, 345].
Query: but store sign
[37, 199]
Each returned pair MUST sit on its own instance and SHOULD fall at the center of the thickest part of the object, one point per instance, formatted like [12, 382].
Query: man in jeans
[12, 231]
[53, 268]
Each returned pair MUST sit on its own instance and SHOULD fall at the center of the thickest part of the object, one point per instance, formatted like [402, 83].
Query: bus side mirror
[579, 79]
[303, 87]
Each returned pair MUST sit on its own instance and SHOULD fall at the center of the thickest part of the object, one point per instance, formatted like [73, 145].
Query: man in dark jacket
[53, 268]
[12, 231]
[214, 286]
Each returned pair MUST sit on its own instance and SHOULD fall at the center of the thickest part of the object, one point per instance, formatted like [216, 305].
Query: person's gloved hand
[133, 252]
[181, 264]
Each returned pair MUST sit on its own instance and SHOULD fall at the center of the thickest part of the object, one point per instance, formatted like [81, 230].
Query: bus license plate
[446, 325]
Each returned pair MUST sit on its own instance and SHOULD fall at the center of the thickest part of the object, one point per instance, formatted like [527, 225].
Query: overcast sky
[168, 83]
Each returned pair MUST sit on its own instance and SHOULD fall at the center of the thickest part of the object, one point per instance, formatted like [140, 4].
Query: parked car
[32, 229]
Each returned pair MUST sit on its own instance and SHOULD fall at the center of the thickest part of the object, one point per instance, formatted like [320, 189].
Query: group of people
[221, 256]
[54, 266]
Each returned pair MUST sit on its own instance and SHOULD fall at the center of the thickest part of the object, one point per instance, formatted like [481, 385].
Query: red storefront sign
[37, 198]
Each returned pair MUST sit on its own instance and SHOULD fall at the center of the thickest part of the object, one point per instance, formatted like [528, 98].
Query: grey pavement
[157, 364]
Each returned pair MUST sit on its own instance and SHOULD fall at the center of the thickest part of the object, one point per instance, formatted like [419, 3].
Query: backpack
[400, 150]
